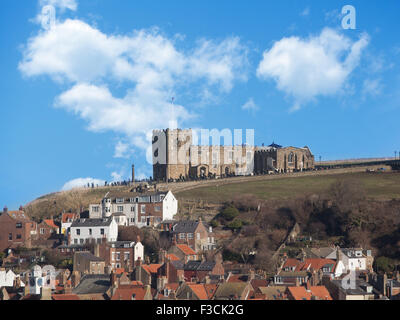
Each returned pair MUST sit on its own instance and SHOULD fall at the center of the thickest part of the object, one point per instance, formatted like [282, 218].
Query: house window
[132, 220]
[90, 232]
[190, 235]
[102, 232]
[182, 236]
[133, 209]
[81, 241]
[120, 200]
[120, 209]
[112, 256]
[75, 241]
[42, 230]
[126, 256]
[18, 225]
[95, 209]
[157, 209]
[10, 236]
[143, 208]
[19, 236]
[198, 236]
[78, 232]
[118, 256]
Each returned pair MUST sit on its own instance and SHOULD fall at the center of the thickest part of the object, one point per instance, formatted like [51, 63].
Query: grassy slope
[382, 186]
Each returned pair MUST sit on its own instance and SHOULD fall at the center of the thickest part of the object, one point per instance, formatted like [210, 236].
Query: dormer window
[120, 200]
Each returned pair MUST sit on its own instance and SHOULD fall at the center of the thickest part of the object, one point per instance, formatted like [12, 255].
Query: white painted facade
[97, 230]
[7, 278]
[127, 210]
[138, 251]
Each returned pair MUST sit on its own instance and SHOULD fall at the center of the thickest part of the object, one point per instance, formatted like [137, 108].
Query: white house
[66, 221]
[93, 231]
[138, 209]
[352, 260]
[7, 278]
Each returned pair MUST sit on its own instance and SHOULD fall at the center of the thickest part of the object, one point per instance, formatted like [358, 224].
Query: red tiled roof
[65, 297]
[316, 264]
[291, 263]
[172, 257]
[199, 291]
[256, 283]
[66, 216]
[186, 249]
[51, 223]
[308, 264]
[210, 289]
[127, 292]
[151, 268]
[301, 293]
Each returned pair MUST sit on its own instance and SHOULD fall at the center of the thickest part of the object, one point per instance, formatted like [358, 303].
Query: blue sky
[79, 98]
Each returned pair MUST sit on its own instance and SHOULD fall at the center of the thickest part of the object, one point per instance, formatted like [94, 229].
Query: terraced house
[140, 209]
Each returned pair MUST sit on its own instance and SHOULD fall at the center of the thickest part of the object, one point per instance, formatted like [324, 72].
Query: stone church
[176, 158]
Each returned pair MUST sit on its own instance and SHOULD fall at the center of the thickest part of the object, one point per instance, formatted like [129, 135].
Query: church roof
[274, 145]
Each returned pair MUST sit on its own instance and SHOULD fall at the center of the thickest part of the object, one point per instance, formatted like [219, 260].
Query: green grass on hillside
[382, 186]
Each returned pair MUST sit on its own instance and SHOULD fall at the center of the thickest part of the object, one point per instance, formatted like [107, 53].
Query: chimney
[133, 173]
[308, 286]
[5, 210]
[338, 254]
[384, 284]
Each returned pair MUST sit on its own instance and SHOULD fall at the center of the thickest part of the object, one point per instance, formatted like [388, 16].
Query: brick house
[183, 252]
[87, 263]
[120, 254]
[16, 229]
[172, 271]
[46, 229]
[197, 271]
[146, 273]
[195, 234]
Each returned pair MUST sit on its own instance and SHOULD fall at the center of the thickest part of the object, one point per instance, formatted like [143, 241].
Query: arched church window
[291, 157]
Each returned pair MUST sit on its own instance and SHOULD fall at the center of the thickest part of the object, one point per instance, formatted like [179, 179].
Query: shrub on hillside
[229, 213]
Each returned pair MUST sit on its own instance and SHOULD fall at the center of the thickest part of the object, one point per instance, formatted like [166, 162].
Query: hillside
[207, 196]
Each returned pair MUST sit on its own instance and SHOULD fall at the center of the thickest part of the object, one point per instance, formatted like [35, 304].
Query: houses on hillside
[140, 209]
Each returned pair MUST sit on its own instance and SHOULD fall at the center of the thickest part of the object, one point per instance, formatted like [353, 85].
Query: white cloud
[250, 105]
[61, 4]
[308, 68]
[81, 183]
[122, 150]
[146, 62]
[116, 176]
